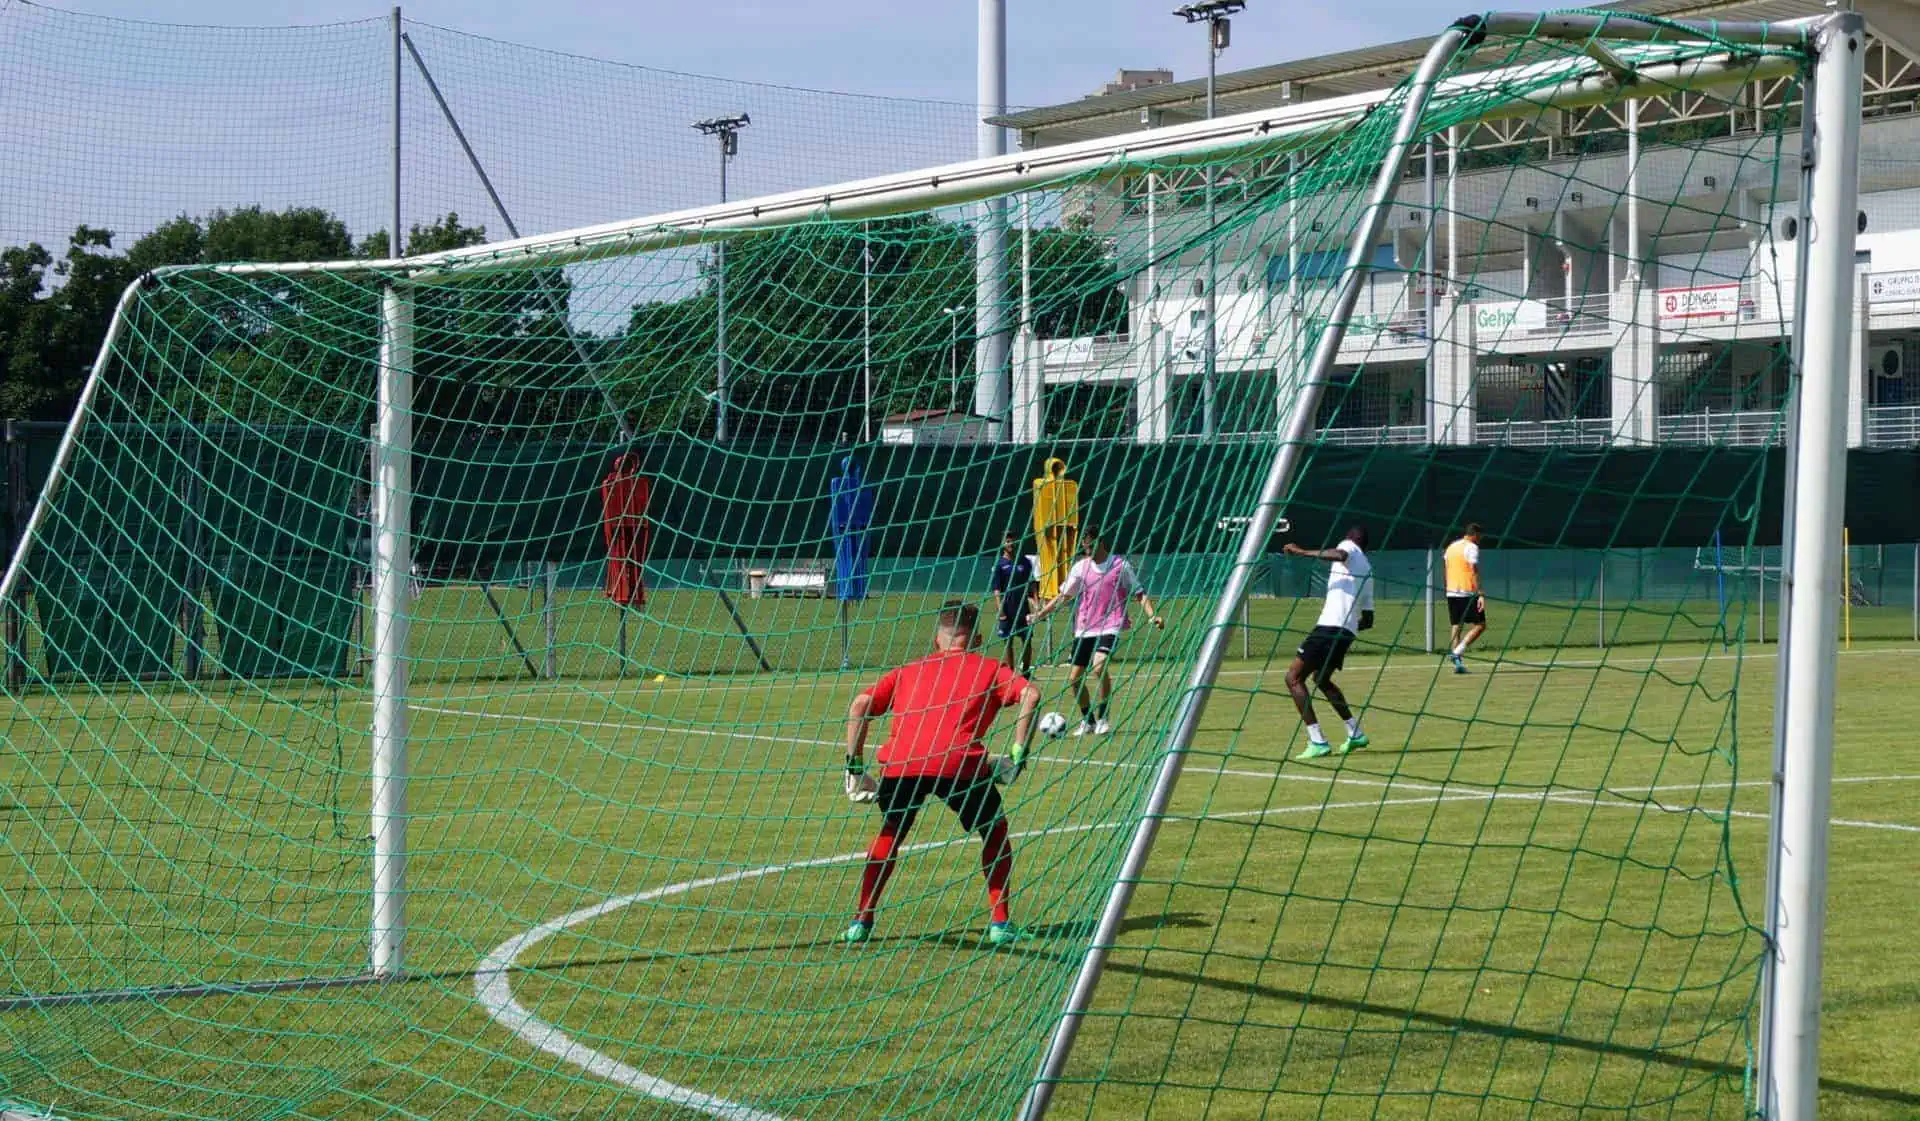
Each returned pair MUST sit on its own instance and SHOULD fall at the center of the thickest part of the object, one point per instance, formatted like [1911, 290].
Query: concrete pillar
[1029, 382]
[1636, 403]
[1453, 372]
[1152, 388]
[1857, 384]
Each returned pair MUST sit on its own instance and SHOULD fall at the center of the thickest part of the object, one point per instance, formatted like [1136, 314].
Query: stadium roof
[1373, 68]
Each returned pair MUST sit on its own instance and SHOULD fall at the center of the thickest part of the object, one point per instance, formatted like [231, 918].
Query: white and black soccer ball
[1053, 725]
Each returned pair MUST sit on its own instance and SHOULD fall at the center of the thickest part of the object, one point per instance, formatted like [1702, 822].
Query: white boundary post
[549, 616]
[1427, 592]
[392, 609]
[1789, 1085]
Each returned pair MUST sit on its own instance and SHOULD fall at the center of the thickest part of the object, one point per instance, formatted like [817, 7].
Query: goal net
[568, 556]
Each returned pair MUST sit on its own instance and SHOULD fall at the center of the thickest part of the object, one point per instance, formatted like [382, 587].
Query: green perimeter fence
[250, 560]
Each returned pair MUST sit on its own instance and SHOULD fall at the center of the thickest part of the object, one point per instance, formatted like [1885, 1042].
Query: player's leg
[1306, 662]
[1457, 611]
[899, 801]
[1335, 662]
[978, 806]
[1477, 623]
[1103, 683]
[1308, 665]
[1077, 679]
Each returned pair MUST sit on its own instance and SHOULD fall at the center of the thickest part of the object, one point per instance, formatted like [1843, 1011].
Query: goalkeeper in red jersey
[942, 706]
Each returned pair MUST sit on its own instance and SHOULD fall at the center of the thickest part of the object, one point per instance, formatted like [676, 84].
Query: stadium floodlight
[1214, 14]
[728, 130]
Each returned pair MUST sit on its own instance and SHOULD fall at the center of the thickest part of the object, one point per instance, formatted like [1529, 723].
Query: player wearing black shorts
[1102, 585]
[942, 707]
[1015, 583]
[1349, 609]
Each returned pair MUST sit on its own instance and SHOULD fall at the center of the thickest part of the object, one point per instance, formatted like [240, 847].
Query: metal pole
[1916, 592]
[1453, 208]
[1600, 596]
[846, 641]
[1797, 908]
[990, 349]
[1252, 554]
[1428, 581]
[1720, 588]
[397, 243]
[1209, 383]
[1802, 246]
[549, 615]
[392, 608]
[866, 333]
[953, 362]
[16, 654]
[720, 313]
[1430, 304]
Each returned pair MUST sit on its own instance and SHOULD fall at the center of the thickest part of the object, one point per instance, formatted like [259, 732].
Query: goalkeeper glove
[861, 786]
[1008, 767]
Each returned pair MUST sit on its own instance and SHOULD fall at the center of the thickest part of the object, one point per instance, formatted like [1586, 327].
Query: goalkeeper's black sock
[1100, 711]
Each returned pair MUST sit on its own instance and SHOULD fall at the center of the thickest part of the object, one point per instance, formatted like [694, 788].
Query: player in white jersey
[1104, 583]
[1348, 610]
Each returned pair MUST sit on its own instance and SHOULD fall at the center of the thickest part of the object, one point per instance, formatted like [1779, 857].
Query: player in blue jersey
[1015, 583]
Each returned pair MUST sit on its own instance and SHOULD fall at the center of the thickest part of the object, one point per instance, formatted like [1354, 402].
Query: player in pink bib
[1103, 584]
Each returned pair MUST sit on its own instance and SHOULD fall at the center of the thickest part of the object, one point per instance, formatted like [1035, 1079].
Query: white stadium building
[1556, 338]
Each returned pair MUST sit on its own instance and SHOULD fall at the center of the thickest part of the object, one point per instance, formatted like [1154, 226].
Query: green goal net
[674, 492]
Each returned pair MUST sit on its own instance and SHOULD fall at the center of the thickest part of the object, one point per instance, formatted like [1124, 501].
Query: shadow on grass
[1067, 938]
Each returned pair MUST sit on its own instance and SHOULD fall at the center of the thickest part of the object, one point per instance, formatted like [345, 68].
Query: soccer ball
[1052, 725]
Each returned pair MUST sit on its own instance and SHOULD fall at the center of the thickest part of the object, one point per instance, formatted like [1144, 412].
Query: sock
[996, 861]
[1314, 735]
[873, 879]
[1459, 650]
[1353, 725]
[1100, 711]
[1086, 711]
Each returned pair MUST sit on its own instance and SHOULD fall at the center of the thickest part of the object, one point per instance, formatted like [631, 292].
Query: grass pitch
[1534, 896]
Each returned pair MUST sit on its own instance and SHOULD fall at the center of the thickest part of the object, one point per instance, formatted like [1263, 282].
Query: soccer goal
[472, 882]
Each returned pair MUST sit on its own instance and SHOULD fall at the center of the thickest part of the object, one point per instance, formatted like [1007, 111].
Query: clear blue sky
[1058, 49]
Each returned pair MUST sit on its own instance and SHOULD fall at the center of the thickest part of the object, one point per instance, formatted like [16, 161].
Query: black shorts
[1325, 650]
[1013, 626]
[1085, 648]
[1466, 611]
[975, 801]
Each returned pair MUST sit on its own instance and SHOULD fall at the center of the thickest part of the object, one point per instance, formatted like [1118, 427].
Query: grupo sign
[1894, 287]
[1712, 301]
[1512, 315]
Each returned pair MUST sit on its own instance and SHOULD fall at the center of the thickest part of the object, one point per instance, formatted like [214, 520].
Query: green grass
[1528, 899]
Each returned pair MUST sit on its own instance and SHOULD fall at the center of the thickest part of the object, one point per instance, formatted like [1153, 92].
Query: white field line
[494, 990]
[1624, 793]
[1402, 659]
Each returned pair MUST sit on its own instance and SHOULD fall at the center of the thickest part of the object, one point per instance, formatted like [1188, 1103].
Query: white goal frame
[1639, 60]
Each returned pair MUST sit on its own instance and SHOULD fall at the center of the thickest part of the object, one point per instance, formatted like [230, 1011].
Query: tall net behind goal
[675, 500]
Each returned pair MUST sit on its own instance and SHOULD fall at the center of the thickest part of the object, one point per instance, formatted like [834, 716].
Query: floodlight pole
[1214, 15]
[392, 609]
[728, 131]
[1293, 449]
[866, 343]
[396, 242]
[1810, 581]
